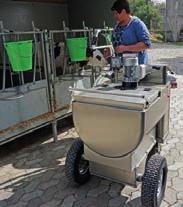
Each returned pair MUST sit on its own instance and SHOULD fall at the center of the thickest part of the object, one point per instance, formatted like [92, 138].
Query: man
[130, 33]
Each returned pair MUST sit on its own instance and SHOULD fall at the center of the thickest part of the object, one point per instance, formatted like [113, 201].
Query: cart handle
[100, 92]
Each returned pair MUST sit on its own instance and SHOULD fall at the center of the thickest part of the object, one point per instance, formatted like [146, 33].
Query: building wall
[174, 15]
[94, 13]
[19, 15]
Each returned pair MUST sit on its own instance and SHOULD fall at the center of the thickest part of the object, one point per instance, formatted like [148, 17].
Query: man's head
[121, 9]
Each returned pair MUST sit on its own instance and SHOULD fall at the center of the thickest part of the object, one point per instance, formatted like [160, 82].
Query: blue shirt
[136, 31]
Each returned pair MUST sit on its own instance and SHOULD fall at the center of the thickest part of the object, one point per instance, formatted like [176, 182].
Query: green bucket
[77, 48]
[20, 55]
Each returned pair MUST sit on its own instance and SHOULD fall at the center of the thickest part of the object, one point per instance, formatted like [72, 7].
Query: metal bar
[51, 87]
[43, 55]
[21, 73]
[35, 61]
[15, 32]
[54, 129]
[105, 30]
[4, 70]
[49, 73]
[84, 27]
[19, 79]
[32, 129]
[11, 72]
[11, 77]
[39, 63]
[4, 58]
[53, 65]
[71, 31]
[65, 49]
[38, 51]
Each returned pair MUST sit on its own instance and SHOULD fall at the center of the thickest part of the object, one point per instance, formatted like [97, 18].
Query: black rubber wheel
[153, 151]
[154, 181]
[76, 167]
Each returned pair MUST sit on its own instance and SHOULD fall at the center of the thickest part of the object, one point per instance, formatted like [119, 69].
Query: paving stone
[29, 196]
[164, 204]
[82, 191]
[62, 194]
[170, 160]
[49, 194]
[49, 184]
[134, 203]
[21, 163]
[118, 201]
[166, 147]
[128, 190]
[172, 168]
[97, 191]
[60, 147]
[3, 203]
[32, 185]
[33, 162]
[87, 202]
[178, 184]
[173, 141]
[35, 175]
[94, 182]
[179, 204]
[179, 165]
[52, 203]
[34, 202]
[136, 194]
[180, 196]
[47, 176]
[58, 175]
[19, 204]
[170, 196]
[105, 182]
[180, 158]
[68, 202]
[172, 174]
[5, 195]
[115, 190]
[22, 155]
[62, 184]
[103, 200]
[179, 146]
[181, 173]
[16, 196]
[174, 153]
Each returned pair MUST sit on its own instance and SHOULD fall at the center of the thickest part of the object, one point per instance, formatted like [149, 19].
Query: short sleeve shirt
[136, 31]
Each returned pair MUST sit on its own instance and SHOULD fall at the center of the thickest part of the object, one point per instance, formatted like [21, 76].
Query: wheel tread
[150, 180]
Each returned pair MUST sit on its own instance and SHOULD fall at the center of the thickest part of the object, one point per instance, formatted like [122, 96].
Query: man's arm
[143, 39]
[138, 47]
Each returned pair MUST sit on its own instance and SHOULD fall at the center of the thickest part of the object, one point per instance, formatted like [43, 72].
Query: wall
[92, 12]
[19, 15]
[174, 17]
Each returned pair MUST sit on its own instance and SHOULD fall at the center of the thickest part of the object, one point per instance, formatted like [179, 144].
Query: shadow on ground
[34, 177]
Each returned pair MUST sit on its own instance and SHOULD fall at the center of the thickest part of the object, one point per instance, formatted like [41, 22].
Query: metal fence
[32, 99]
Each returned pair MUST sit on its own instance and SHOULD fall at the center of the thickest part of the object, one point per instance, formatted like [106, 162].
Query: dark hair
[119, 5]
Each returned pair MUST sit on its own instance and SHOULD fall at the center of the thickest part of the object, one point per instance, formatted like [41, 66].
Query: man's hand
[138, 47]
[121, 49]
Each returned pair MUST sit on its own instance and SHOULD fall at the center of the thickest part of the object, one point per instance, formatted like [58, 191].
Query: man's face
[119, 16]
